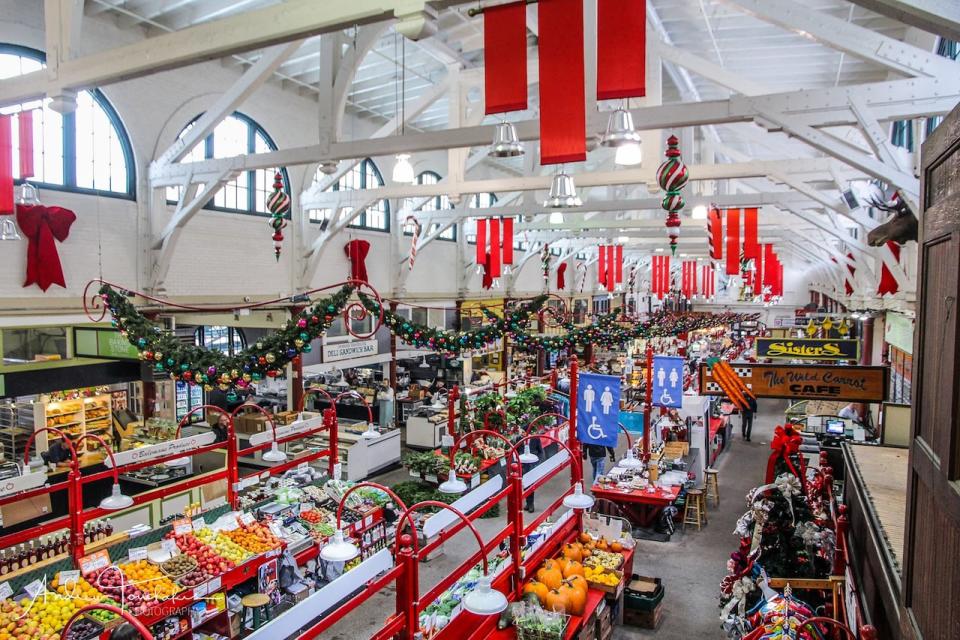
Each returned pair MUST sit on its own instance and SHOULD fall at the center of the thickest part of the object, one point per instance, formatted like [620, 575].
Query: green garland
[456, 342]
[209, 368]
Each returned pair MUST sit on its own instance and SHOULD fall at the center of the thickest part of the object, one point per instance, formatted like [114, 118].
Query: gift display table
[640, 505]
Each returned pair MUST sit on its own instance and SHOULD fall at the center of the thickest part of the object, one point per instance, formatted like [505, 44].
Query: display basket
[530, 630]
[168, 567]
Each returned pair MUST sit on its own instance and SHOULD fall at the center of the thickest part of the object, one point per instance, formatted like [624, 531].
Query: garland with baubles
[210, 368]
[456, 342]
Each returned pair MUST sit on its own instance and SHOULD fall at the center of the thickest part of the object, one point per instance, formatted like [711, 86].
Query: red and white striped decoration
[610, 266]
[494, 245]
[417, 230]
[709, 281]
[660, 280]
[715, 233]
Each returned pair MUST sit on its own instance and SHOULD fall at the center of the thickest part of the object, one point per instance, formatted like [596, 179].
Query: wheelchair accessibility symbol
[666, 399]
[594, 430]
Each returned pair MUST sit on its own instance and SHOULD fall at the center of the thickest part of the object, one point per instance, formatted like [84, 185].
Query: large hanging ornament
[672, 176]
[417, 230]
[278, 204]
[545, 264]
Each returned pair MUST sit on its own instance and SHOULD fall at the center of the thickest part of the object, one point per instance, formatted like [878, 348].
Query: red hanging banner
[769, 265]
[563, 118]
[25, 139]
[685, 279]
[618, 261]
[665, 285]
[733, 242]
[758, 272]
[655, 266]
[561, 276]
[507, 240]
[693, 277]
[751, 245]
[715, 233]
[6, 165]
[505, 57]
[481, 241]
[602, 265]
[888, 283]
[494, 247]
[621, 49]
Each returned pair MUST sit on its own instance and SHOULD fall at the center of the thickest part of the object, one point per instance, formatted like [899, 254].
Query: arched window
[364, 175]
[86, 151]
[229, 340]
[236, 135]
[480, 201]
[436, 203]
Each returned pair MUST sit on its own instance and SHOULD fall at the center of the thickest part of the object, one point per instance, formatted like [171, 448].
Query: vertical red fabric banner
[481, 241]
[888, 284]
[602, 265]
[563, 117]
[758, 272]
[618, 261]
[507, 240]
[505, 57]
[779, 278]
[751, 245]
[693, 278]
[25, 139]
[6, 165]
[769, 265]
[733, 242]
[715, 233]
[561, 276]
[685, 279]
[621, 49]
[494, 247]
[665, 276]
[657, 278]
[611, 269]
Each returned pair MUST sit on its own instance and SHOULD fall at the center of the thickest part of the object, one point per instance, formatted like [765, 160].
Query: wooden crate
[644, 619]
[674, 450]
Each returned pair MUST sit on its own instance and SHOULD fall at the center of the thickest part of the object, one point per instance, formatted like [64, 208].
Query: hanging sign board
[668, 381]
[808, 349]
[806, 381]
[332, 352]
[163, 449]
[103, 343]
[598, 409]
[17, 484]
[286, 430]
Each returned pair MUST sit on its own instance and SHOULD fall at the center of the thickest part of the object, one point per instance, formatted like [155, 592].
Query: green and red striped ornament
[278, 204]
[672, 176]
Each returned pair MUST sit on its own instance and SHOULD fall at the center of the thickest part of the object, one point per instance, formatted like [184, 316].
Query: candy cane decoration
[417, 229]
[582, 268]
[545, 263]
[632, 278]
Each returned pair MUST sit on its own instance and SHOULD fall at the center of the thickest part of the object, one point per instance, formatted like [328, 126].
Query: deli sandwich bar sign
[808, 348]
[806, 381]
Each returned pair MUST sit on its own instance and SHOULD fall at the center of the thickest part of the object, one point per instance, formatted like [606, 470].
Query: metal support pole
[330, 421]
[75, 505]
[866, 342]
[452, 398]
[515, 518]
[573, 442]
[296, 399]
[393, 354]
[408, 587]
[648, 405]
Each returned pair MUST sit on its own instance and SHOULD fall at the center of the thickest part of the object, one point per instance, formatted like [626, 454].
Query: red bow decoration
[357, 251]
[42, 225]
[561, 279]
[785, 445]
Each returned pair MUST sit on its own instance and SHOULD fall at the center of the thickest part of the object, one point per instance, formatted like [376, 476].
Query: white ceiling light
[505, 142]
[578, 499]
[274, 454]
[556, 217]
[338, 549]
[699, 212]
[620, 130]
[528, 457]
[563, 193]
[403, 171]
[628, 155]
[630, 461]
[116, 499]
[453, 484]
[485, 600]
[622, 239]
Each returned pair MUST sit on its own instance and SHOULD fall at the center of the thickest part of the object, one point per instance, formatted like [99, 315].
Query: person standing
[597, 453]
[746, 418]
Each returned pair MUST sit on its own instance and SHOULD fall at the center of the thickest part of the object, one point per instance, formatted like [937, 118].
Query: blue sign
[668, 381]
[598, 409]
[632, 421]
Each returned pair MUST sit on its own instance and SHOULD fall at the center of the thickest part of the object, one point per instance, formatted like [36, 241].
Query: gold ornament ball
[157, 356]
[208, 387]
[224, 387]
[298, 343]
[246, 377]
[234, 374]
[270, 357]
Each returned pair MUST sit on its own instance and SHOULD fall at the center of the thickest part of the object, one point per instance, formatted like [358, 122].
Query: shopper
[746, 418]
[596, 453]
[125, 631]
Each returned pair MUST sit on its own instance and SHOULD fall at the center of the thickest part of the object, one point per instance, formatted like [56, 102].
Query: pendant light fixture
[505, 142]
[403, 172]
[339, 549]
[556, 217]
[371, 432]
[116, 500]
[484, 600]
[453, 484]
[630, 461]
[274, 454]
[578, 499]
[563, 193]
[528, 457]
[622, 136]
[26, 195]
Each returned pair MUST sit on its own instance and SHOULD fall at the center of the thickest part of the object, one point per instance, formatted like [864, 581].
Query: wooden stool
[694, 511]
[713, 486]
[255, 602]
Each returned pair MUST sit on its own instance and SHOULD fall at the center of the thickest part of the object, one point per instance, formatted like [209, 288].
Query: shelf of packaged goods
[89, 548]
[61, 426]
[64, 413]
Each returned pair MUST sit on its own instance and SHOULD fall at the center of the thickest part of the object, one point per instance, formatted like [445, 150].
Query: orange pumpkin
[558, 600]
[578, 582]
[573, 551]
[550, 574]
[561, 563]
[538, 589]
[616, 547]
[576, 599]
[573, 569]
[585, 537]
[587, 552]
[602, 545]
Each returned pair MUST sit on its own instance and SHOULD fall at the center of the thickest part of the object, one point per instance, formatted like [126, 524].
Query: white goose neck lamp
[371, 432]
[483, 600]
[578, 500]
[339, 549]
[116, 500]
[274, 454]
[528, 457]
[454, 485]
[630, 461]
[185, 460]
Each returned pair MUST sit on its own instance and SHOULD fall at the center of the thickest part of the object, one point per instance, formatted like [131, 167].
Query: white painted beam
[898, 99]
[290, 20]
[251, 80]
[709, 70]
[941, 17]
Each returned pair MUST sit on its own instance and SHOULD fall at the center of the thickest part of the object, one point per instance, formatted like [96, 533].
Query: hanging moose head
[901, 227]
